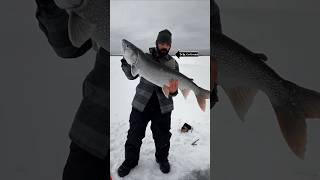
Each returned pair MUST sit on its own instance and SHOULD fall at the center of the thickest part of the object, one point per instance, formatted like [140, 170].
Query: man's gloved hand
[173, 86]
[127, 69]
[124, 62]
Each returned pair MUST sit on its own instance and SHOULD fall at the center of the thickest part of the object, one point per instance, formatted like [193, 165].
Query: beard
[162, 52]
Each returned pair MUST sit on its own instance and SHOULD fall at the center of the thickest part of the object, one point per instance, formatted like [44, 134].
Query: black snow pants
[82, 165]
[160, 127]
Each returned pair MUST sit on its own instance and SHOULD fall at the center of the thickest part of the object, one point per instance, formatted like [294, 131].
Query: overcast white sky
[140, 21]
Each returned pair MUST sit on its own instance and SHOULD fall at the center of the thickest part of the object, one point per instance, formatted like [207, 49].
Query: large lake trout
[160, 75]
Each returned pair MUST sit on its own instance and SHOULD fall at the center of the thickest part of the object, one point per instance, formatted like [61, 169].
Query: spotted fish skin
[241, 73]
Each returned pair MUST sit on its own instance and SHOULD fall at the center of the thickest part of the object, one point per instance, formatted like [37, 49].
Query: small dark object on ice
[186, 127]
[195, 142]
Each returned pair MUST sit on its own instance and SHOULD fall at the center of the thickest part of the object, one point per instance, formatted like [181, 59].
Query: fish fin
[134, 70]
[165, 90]
[79, 30]
[202, 103]
[292, 114]
[185, 92]
[241, 99]
[201, 98]
[293, 129]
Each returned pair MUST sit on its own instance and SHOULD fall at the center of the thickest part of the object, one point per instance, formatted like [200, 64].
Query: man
[150, 103]
[88, 157]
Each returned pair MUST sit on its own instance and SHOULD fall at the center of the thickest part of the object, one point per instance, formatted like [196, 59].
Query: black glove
[126, 68]
[174, 93]
[124, 62]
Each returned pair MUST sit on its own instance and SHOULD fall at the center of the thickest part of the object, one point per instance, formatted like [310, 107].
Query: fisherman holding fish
[88, 157]
[150, 103]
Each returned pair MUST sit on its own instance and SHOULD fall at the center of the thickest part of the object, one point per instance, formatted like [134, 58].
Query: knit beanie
[164, 36]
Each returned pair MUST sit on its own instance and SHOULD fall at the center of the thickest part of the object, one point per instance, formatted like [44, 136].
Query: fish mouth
[129, 49]
[125, 44]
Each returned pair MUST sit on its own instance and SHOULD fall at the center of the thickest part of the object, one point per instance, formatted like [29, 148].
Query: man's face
[164, 47]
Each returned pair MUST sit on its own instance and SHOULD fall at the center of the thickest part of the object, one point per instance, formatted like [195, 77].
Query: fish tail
[292, 113]
[201, 96]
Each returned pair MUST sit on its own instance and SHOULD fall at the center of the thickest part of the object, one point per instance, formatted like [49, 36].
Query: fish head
[130, 52]
[88, 19]
[86, 9]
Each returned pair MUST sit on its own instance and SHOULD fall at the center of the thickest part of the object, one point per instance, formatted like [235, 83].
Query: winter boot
[125, 169]
[164, 166]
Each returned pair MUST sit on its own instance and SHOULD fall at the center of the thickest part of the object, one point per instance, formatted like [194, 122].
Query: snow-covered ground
[187, 161]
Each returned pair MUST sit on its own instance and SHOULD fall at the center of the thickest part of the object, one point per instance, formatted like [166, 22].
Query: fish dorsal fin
[79, 30]
[241, 99]
[134, 70]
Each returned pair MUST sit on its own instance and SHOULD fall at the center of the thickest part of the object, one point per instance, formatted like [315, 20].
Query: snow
[186, 161]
